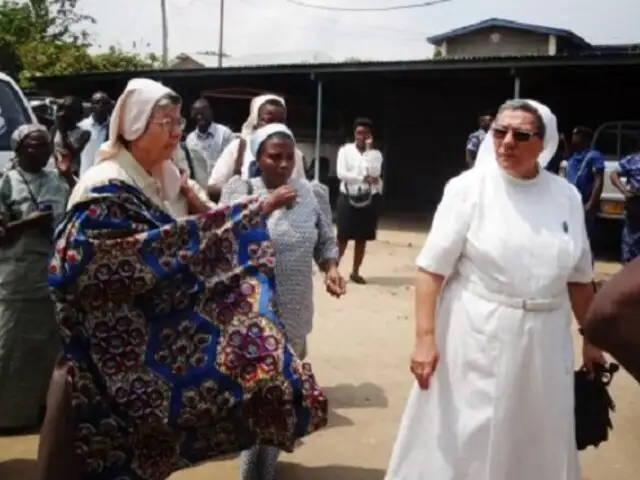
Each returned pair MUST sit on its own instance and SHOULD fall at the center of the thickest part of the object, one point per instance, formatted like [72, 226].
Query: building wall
[511, 43]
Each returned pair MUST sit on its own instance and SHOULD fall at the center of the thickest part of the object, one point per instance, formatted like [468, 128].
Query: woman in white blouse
[506, 264]
[359, 167]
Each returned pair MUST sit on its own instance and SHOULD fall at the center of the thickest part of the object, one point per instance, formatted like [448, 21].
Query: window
[617, 140]
[629, 140]
[606, 141]
[13, 113]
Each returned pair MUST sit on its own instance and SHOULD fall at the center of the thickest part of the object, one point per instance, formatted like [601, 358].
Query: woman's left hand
[196, 205]
[592, 356]
[335, 284]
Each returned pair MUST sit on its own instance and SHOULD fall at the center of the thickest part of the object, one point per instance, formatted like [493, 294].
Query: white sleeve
[344, 174]
[583, 269]
[374, 161]
[223, 169]
[448, 234]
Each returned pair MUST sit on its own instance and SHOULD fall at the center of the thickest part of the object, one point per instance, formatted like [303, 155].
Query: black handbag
[593, 405]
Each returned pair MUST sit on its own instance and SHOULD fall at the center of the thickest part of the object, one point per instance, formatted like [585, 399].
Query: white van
[14, 111]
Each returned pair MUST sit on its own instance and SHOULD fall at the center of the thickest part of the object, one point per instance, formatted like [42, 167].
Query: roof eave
[443, 64]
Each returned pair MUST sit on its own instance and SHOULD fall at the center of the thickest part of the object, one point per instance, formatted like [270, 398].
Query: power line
[328, 24]
[378, 9]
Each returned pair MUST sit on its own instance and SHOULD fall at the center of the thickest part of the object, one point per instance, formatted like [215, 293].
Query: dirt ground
[359, 350]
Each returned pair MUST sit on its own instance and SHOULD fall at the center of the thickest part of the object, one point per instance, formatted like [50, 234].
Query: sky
[276, 26]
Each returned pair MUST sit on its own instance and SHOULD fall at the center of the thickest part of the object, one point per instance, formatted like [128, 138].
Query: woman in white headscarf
[237, 159]
[302, 234]
[175, 354]
[505, 265]
[32, 201]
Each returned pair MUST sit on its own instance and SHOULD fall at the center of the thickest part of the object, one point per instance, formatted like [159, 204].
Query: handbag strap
[249, 187]
[189, 159]
[242, 147]
[34, 199]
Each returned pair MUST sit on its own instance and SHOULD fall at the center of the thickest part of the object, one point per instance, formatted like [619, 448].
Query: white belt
[526, 304]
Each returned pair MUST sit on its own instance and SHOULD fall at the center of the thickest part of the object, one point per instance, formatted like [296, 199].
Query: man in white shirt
[97, 124]
[236, 159]
[209, 138]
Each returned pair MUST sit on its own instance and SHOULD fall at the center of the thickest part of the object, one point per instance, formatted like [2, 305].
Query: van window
[606, 141]
[13, 113]
[629, 140]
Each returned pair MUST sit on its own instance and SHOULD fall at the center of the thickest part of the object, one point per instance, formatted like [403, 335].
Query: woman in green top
[32, 199]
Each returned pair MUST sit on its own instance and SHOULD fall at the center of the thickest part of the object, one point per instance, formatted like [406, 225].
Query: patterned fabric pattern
[177, 353]
[629, 167]
[300, 235]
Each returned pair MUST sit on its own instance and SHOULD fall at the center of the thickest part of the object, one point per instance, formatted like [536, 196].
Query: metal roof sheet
[587, 58]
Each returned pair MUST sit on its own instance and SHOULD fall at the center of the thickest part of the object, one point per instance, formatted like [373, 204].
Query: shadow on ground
[365, 395]
[393, 282]
[18, 469]
[293, 471]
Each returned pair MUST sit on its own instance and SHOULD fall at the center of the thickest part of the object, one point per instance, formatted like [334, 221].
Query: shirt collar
[93, 122]
[210, 133]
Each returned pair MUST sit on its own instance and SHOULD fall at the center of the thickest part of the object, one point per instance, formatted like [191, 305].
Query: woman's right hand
[284, 196]
[424, 360]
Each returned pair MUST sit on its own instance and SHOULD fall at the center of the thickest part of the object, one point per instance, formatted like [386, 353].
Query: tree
[44, 37]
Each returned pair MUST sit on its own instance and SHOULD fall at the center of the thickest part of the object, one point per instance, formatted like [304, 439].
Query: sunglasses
[500, 133]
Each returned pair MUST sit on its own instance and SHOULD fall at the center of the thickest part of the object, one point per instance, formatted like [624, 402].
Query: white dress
[500, 406]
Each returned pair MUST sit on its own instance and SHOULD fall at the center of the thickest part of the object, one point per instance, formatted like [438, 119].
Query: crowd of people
[167, 282]
[171, 276]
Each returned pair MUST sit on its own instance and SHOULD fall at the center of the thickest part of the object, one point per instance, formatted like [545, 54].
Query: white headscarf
[261, 134]
[252, 120]
[129, 121]
[487, 153]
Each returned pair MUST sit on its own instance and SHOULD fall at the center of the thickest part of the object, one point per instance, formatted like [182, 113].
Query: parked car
[615, 140]
[14, 112]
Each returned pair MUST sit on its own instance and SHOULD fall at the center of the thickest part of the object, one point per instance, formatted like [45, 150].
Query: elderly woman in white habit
[237, 159]
[506, 264]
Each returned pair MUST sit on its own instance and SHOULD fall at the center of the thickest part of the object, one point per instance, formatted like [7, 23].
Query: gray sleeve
[326, 246]
[233, 190]
[5, 194]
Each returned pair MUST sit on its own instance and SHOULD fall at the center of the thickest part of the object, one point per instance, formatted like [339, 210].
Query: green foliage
[46, 37]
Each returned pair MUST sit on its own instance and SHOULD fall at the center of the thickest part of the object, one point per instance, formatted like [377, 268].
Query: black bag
[593, 405]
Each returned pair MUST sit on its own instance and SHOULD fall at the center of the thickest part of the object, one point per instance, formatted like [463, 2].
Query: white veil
[487, 154]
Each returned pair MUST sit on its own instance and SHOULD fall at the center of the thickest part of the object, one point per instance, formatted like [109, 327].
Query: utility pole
[165, 34]
[221, 34]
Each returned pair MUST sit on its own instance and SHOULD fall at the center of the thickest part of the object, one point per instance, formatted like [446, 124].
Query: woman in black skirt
[359, 167]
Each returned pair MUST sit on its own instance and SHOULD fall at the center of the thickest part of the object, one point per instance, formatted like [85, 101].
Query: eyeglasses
[172, 124]
[500, 133]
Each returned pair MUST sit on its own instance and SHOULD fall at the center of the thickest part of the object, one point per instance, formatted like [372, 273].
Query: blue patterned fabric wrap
[629, 167]
[176, 353]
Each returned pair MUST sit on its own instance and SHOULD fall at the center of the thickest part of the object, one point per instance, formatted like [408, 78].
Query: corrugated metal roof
[282, 58]
[587, 58]
[502, 23]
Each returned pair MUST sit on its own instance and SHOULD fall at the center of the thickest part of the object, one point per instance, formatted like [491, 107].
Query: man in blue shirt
[475, 139]
[585, 170]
